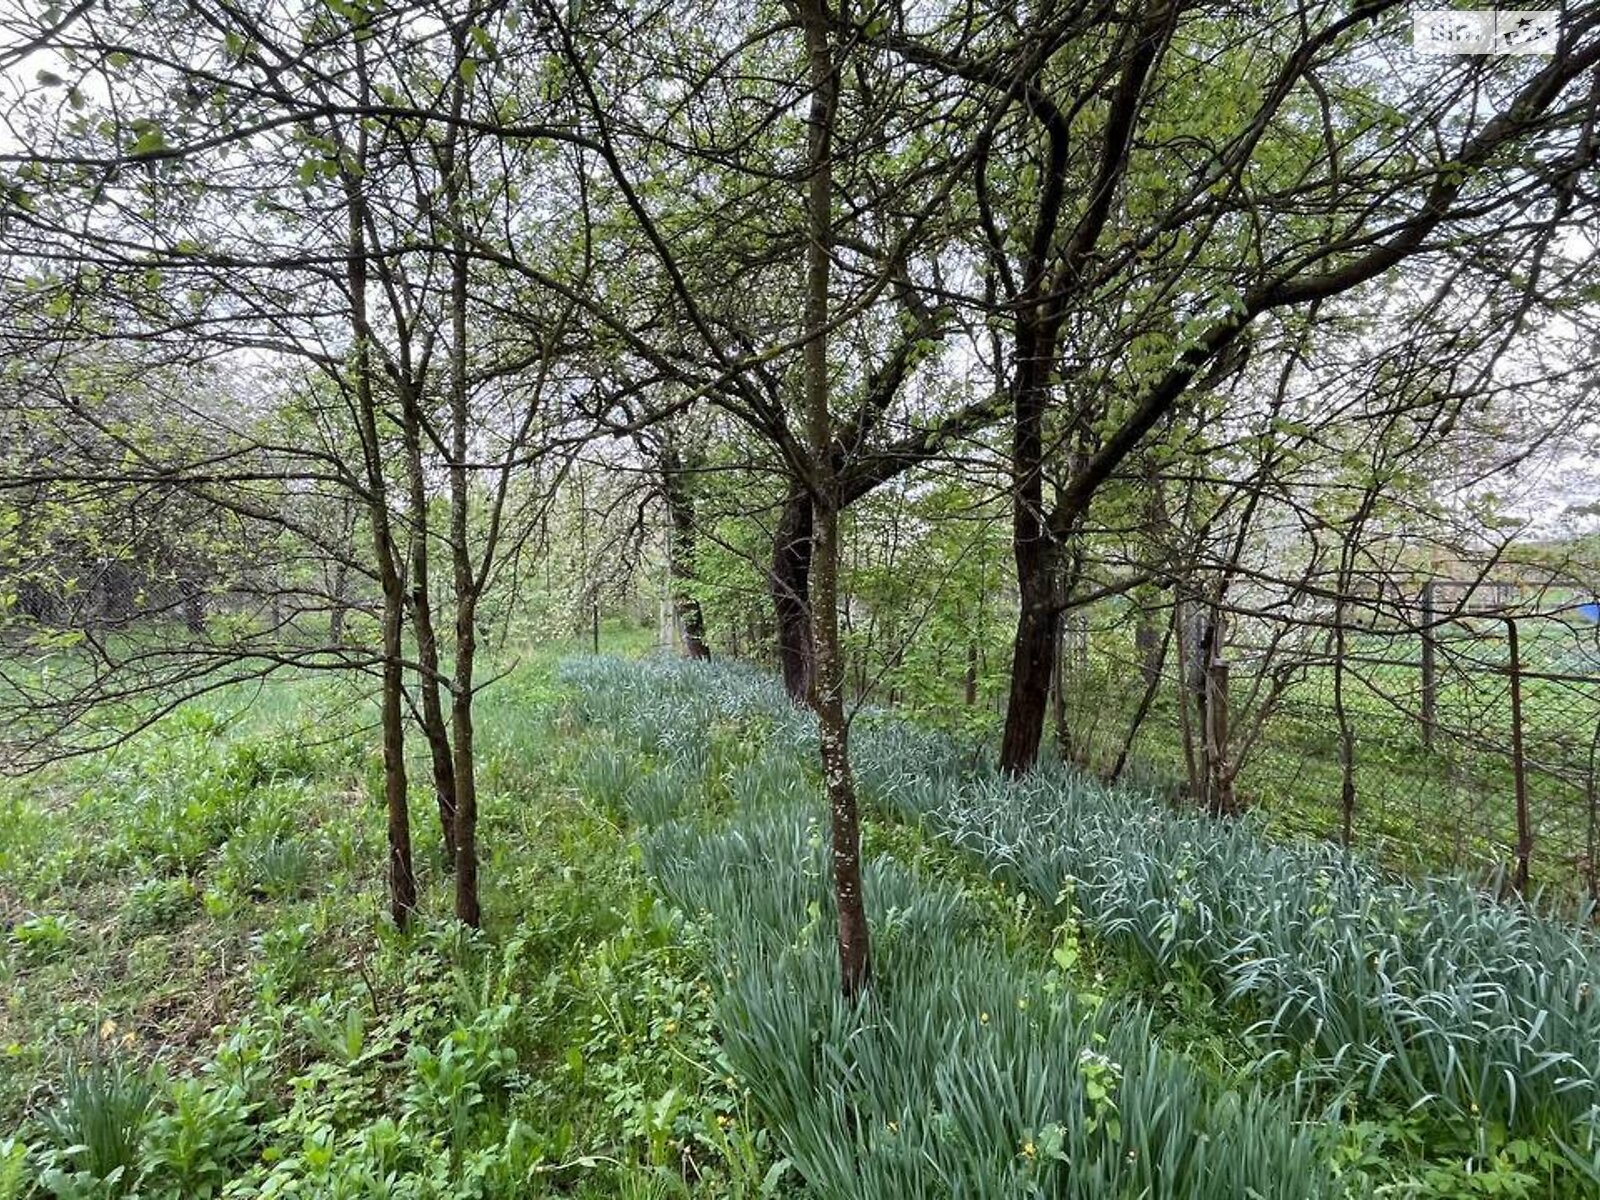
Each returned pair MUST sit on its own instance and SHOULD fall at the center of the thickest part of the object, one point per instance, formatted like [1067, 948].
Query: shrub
[605, 776]
[193, 1148]
[14, 1171]
[266, 867]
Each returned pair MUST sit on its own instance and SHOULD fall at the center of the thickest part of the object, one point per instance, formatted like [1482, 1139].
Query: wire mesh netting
[1467, 741]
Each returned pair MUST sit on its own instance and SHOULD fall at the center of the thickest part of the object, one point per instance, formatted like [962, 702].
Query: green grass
[198, 919]
[1076, 993]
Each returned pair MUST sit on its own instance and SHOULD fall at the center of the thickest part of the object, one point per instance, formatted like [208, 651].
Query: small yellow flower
[724, 1120]
[1029, 1150]
[108, 1029]
[983, 1018]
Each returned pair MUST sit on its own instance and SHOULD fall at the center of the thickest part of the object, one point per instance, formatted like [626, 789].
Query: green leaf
[149, 137]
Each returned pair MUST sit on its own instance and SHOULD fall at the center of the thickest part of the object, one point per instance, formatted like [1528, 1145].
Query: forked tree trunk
[791, 592]
[433, 722]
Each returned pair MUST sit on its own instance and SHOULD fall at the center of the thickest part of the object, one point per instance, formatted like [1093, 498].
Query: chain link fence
[1440, 735]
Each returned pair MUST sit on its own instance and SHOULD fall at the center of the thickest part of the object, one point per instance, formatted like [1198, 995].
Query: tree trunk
[1033, 653]
[1033, 660]
[339, 604]
[1149, 647]
[467, 584]
[1219, 783]
[468, 909]
[1152, 680]
[441, 757]
[791, 592]
[680, 551]
[194, 607]
[433, 725]
[855, 963]
[402, 877]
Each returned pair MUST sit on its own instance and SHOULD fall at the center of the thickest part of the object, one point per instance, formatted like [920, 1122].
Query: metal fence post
[1347, 743]
[1430, 678]
[1519, 774]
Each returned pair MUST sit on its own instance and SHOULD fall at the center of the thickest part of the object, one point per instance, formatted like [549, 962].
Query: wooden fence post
[1519, 772]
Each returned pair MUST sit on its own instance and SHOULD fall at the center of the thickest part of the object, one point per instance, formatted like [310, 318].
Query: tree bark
[1149, 646]
[402, 877]
[791, 592]
[339, 604]
[467, 905]
[855, 964]
[433, 723]
[681, 550]
[194, 607]
[1033, 658]
[1033, 654]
